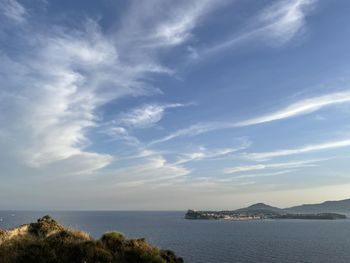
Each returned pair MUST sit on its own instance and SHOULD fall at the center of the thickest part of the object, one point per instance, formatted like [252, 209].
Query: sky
[171, 105]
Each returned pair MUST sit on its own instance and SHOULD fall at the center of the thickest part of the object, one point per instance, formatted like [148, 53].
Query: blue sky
[173, 104]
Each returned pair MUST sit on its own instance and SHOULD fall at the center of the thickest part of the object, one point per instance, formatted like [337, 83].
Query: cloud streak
[13, 10]
[204, 154]
[255, 167]
[295, 151]
[302, 107]
[243, 176]
[155, 168]
[277, 24]
[298, 108]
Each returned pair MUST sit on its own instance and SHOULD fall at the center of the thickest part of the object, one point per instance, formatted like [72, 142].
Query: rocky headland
[48, 241]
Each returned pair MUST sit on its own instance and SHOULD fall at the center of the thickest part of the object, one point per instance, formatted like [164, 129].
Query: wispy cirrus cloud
[268, 174]
[277, 24]
[60, 75]
[48, 95]
[193, 130]
[178, 28]
[302, 150]
[13, 10]
[166, 28]
[301, 107]
[255, 167]
[205, 154]
[298, 108]
[283, 20]
[121, 134]
[154, 168]
[145, 115]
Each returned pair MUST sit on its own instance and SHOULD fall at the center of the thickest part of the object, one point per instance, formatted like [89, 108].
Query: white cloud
[298, 108]
[161, 24]
[155, 168]
[178, 28]
[177, 21]
[54, 91]
[302, 107]
[243, 176]
[13, 10]
[204, 154]
[284, 19]
[141, 154]
[52, 100]
[78, 164]
[120, 133]
[193, 130]
[146, 115]
[306, 149]
[255, 167]
[192, 52]
[278, 24]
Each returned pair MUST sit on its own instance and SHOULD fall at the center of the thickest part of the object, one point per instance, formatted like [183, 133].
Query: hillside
[342, 206]
[325, 210]
[260, 207]
[47, 241]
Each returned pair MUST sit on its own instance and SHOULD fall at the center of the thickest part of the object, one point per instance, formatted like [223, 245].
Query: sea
[212, 241]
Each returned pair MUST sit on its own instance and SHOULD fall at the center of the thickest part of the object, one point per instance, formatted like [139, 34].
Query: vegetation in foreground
[47, 241]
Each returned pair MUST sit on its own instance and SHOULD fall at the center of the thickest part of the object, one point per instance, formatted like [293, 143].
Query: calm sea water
[214, 241]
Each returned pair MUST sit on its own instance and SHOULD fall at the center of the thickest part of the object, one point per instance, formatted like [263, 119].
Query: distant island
[330, 210]
[48, 241]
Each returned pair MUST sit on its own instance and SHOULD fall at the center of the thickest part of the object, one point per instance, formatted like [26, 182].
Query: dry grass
[48, 241]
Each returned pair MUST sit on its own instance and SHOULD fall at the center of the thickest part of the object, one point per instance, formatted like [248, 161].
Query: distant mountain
[260, 207]
[325, 210]
[342, 206]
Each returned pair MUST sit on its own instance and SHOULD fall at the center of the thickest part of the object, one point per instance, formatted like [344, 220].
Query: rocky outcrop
[48, 241]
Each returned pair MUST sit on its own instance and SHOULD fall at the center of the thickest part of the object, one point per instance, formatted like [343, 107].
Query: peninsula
[260, 211]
